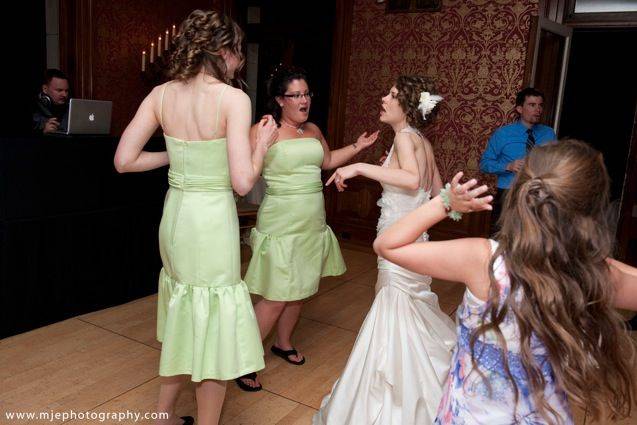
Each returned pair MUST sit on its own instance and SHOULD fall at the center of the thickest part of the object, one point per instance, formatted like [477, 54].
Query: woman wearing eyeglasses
[292, 246]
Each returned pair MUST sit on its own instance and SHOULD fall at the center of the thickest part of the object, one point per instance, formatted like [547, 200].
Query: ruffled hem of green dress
[207, 332]
[290, 267]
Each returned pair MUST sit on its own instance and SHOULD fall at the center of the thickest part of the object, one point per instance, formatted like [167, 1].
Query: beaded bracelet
[444, 195]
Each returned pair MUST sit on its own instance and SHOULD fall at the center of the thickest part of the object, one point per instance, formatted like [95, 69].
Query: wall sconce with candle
[155, 59]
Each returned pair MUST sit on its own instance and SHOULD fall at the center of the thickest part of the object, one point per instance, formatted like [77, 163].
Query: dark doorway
[601, 95]
[600, 102]
[293, 35]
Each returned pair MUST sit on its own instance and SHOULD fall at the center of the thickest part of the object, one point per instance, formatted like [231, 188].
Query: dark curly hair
[278, 83]
[202, 36]
[409, 88]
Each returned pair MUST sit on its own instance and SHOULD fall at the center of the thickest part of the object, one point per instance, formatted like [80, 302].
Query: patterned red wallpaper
[121, 30]
[474, 49]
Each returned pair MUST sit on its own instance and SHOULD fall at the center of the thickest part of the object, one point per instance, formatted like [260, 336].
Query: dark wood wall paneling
[553, 10]
[76, 45]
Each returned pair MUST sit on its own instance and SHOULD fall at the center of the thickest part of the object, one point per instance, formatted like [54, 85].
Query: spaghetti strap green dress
[205, 318]
[292, 246]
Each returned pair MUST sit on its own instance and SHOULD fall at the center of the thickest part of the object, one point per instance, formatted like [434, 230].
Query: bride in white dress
[402, 354]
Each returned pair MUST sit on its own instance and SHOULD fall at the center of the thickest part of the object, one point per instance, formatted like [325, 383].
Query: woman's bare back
[194, 111]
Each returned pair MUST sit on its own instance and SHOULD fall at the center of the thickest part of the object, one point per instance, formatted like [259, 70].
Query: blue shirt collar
[523, 127]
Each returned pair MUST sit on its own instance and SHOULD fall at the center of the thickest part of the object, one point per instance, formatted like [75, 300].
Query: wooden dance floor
[107, 361]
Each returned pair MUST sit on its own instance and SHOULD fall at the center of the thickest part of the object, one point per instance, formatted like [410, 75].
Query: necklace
[299, 129]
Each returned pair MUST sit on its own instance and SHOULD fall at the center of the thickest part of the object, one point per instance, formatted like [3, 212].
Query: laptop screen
[89, 116]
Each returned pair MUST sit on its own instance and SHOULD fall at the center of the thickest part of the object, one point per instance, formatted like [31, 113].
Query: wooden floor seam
[116, 333]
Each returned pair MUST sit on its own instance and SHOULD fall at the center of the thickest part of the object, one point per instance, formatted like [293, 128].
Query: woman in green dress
[205, 318]
[292, 246]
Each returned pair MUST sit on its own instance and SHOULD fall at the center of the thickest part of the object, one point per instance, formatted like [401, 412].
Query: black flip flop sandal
[246, 387]
[188, 420]
[285, 353]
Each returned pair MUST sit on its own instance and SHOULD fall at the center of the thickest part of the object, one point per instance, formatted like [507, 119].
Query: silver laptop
[89, 116]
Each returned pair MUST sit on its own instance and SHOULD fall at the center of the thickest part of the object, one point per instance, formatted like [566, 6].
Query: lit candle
[144, 61]
[174, 30]
[159, 46]
[152, 52]
[166, 47]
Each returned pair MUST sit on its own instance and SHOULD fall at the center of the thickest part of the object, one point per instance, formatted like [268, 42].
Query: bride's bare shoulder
[405, 140]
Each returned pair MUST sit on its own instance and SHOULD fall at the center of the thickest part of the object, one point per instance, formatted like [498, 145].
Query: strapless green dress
[205, 319]
[292, 246]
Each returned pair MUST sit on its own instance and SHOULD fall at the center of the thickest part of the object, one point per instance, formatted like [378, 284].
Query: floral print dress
[471, 399]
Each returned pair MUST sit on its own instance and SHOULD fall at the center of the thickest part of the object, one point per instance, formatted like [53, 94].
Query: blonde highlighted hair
[202, 37]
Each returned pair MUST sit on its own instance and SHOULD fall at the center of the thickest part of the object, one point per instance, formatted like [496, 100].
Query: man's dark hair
[52, 73]
[524, 93]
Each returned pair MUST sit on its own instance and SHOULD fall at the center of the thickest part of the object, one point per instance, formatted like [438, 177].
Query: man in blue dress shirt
[509, 145]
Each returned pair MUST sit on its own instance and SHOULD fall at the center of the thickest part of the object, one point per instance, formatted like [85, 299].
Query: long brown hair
[555, 240]
[201, 38]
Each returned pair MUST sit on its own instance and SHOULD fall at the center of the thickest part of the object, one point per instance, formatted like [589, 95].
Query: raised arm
[338, 157]
[462, 260]
[407, 176]
[130, 156]
[245, 163]
[624, 277]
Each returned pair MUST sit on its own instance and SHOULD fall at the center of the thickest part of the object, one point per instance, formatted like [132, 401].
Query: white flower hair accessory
[427, 103]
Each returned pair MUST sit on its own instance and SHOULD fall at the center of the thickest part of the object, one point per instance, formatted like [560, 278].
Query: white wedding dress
[402, 354]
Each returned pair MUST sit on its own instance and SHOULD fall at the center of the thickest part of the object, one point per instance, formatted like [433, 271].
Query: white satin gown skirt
[400, 359]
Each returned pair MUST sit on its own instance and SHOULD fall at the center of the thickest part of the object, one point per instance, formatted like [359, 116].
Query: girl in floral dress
[537, 327]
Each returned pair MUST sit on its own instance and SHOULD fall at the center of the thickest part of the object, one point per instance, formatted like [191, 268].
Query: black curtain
[23, 33]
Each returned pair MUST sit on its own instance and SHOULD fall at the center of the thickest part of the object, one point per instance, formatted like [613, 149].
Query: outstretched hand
[365, 141]
[466, 197]
[341, 174]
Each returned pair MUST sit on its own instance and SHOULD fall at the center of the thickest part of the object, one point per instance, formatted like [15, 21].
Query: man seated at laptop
[51, 112]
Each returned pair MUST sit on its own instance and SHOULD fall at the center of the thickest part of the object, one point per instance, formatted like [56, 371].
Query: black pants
[498, 202]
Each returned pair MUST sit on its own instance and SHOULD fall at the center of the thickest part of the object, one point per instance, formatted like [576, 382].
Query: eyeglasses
[298, 96]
